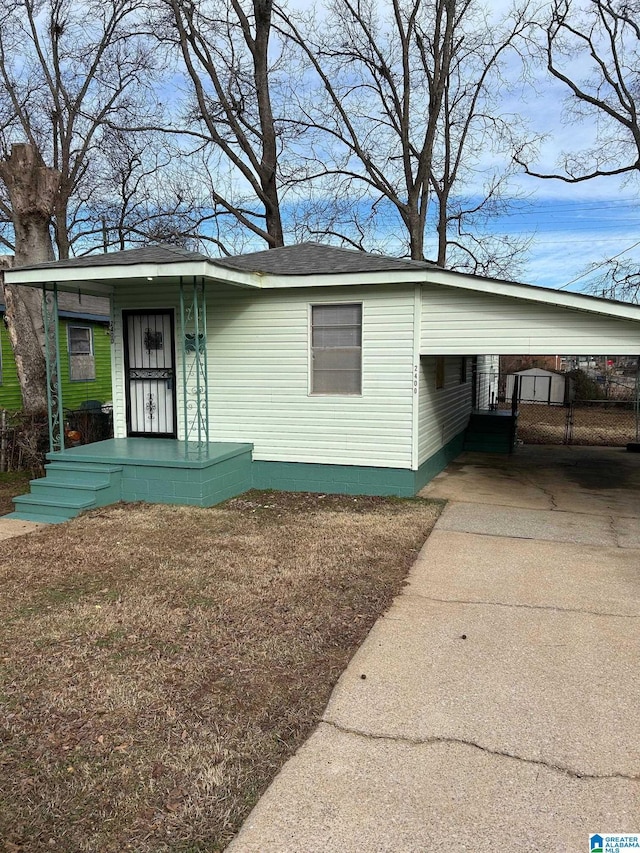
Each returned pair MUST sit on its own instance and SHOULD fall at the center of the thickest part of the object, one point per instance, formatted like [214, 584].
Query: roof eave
[103, 279]
[534, 293]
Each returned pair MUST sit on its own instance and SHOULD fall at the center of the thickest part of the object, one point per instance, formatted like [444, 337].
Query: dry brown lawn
[159, 664]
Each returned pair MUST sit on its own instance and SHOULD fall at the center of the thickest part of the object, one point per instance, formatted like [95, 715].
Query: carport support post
[638, 399]
[55, 410]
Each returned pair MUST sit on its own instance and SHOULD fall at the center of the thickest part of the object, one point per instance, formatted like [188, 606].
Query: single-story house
[307, 367]
[85, 350]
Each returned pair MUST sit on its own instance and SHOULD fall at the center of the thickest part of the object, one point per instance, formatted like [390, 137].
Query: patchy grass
[12, 483]
[161, 663]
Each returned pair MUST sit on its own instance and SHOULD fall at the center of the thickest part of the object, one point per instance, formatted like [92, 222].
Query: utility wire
[597, 266]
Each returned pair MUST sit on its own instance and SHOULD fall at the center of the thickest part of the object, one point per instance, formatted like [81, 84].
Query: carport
[483, 317]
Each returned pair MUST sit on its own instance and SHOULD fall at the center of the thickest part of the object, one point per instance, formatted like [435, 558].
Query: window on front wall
[82, 366]
[336, 349]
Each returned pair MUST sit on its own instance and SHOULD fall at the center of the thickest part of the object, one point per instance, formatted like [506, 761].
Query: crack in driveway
[551, 607]
[535, 762]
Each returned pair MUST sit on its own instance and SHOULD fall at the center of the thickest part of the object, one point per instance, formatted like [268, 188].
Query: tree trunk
[32, 189]
[268, 171]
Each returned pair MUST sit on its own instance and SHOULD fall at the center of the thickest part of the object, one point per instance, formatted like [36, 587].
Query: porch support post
[55, 409]
[202, 354]
[193, 334]
[183, 353]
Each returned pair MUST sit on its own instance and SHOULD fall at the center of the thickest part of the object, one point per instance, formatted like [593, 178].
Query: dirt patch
[161, 663]
[12, 484]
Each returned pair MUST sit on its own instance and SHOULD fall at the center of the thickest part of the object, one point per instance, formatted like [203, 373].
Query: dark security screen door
[150, 373]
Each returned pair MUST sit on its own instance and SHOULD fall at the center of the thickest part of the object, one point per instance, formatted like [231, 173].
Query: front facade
[324, 369]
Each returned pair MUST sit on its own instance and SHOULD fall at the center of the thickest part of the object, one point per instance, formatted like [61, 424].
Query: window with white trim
[82, 366]
[336, 348]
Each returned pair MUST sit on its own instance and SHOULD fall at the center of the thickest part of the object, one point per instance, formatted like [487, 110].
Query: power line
[604, 263]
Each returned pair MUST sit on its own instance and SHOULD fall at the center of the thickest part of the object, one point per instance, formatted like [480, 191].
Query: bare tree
[67, 72]
[593, 49]
[370, 74]
[471, 189]
[32, 188]
[226, 50]
[407, 105]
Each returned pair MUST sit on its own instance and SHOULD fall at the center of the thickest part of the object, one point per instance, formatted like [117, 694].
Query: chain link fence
[572, 408]
[608, 423]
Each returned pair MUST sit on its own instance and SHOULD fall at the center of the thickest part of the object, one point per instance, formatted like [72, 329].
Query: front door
[150, 373]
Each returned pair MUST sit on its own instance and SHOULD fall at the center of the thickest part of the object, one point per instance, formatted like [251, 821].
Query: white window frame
[71, 326]
[333, 304]
[81, 355]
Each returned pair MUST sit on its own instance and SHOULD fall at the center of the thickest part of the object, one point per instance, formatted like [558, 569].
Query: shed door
[150, 373]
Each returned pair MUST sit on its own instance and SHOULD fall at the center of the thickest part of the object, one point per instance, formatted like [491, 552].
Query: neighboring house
[85, 363]
[307, 367]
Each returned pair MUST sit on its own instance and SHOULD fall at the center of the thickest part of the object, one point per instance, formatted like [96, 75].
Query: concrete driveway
[496, 706]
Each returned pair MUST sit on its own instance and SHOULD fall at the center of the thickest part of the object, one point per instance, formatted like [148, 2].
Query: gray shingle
[129, 257]
[318, 259]
[303, 259]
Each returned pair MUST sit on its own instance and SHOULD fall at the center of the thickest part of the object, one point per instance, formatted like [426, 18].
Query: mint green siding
[462, 321]
[258, 351]
[73, 393]
[443, 412]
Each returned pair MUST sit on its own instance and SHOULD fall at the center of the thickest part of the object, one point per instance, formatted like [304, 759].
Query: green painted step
[65, 507]
[52, 490]
[68, 489]
[80, 472]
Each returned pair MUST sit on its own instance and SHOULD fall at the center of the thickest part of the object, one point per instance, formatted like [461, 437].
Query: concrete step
[53, 490]
[80, 472]
[64, 507]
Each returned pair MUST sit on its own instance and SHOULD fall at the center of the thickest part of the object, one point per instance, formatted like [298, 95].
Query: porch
[135, 469]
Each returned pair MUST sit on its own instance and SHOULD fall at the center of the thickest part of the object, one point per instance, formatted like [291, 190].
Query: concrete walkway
[496, 706]
[10, 527]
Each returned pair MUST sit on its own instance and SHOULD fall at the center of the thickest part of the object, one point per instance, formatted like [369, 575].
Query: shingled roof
[318, 259]
[302, 259]
[129, 257]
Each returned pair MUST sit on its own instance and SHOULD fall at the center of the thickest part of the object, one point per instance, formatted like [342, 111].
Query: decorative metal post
[193, 340]
[55, 409]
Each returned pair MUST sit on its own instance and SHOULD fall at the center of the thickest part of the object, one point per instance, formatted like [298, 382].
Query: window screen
[336, 349]
[82, 367]
[80, 340]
